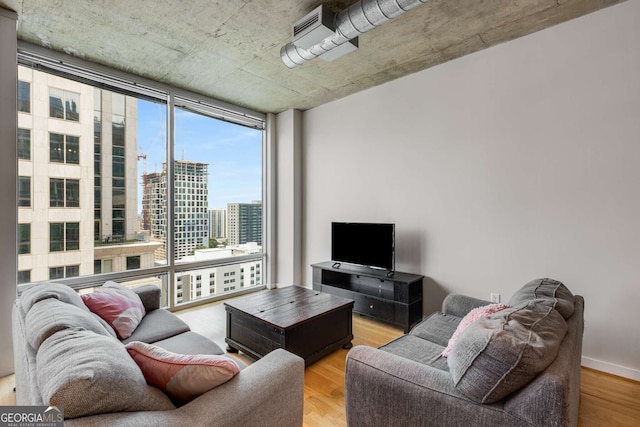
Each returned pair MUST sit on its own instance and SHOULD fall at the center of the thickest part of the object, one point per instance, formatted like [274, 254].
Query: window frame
[24, 239]
[24, 144]
[67, 236]
[64, 194]
[39, 58]
[65, 96]
[24, 191]
[21, 101]
[63, 148]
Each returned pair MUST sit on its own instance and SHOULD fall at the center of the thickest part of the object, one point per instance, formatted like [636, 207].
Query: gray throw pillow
[51, 315]
[555, 294]
[501, 353]
[91, 374]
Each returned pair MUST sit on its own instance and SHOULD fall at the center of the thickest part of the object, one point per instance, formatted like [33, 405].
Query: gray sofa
[54, 333]
[517, 367]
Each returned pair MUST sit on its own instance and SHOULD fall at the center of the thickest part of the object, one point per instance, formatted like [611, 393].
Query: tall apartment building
[244, 223]
[218, 223]
[191, 207]
[77, 167]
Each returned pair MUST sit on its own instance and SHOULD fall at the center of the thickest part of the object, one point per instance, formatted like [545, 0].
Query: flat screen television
[366, 244]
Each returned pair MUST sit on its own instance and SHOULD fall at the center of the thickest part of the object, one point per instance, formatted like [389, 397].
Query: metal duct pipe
[355, 20]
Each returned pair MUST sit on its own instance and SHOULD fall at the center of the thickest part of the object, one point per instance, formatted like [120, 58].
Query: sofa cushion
[41, 291]
[89, 374]
[419, 350]
[119, 306]
[158, 325]
[189, 343]
[553, 292]
[472, 316]
[51, 315]
[501, 353]
[182, 376]
[437, 328]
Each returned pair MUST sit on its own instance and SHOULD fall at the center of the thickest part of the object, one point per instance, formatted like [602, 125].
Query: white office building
[77, 167]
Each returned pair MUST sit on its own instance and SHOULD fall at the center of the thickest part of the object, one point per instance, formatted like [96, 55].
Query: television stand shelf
[395, 299]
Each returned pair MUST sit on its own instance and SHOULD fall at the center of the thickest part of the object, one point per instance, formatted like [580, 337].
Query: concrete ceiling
[230, 50]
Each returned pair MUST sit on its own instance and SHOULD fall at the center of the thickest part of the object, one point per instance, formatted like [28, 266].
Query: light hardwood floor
[606, 400]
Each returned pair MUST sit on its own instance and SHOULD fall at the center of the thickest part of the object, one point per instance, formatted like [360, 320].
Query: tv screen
[368, 244]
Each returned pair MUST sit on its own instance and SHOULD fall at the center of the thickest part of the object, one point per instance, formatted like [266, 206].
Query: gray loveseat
[516, 367]
[54, 334]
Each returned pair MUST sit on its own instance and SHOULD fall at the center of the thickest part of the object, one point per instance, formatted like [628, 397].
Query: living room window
[150, 164]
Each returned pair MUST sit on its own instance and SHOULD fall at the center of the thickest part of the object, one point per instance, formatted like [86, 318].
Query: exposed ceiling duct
[355, 20]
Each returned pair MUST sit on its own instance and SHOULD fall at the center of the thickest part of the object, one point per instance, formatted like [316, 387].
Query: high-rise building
[244, 223]
[218, 223]
[191, 228]
[77, 167]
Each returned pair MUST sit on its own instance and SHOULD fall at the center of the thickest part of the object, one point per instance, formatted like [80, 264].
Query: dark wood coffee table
[305, 322]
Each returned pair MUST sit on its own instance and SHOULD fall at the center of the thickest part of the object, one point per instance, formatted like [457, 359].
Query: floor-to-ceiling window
[137, 186]
[217, 165]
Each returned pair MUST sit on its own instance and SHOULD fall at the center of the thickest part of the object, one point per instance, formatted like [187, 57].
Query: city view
[94, 189]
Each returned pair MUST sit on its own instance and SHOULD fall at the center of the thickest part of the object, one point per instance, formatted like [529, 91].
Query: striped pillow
[120, 307]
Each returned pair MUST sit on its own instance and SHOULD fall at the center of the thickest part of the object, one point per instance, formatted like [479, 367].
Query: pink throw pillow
[182, 376]
[119, 306]
[472, 316]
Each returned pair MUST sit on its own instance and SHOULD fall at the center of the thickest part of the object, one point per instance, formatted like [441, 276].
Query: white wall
[518, 162]
[8, 173]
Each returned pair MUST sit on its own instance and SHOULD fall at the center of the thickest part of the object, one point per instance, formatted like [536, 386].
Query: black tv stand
[392, 296]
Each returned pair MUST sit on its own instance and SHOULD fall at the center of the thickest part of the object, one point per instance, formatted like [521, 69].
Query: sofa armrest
[382, 388]
[460, 305]
[269, 392]
[150, 296]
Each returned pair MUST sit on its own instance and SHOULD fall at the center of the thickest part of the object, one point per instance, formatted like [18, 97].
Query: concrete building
[77, 178]
[244, 223]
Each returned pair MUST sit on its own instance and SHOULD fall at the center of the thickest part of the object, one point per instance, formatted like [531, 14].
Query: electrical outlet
[495, 298]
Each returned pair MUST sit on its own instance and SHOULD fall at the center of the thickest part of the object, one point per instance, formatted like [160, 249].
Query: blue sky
[233, 152]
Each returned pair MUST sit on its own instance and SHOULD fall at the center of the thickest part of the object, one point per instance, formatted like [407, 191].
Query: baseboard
[611, 368]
